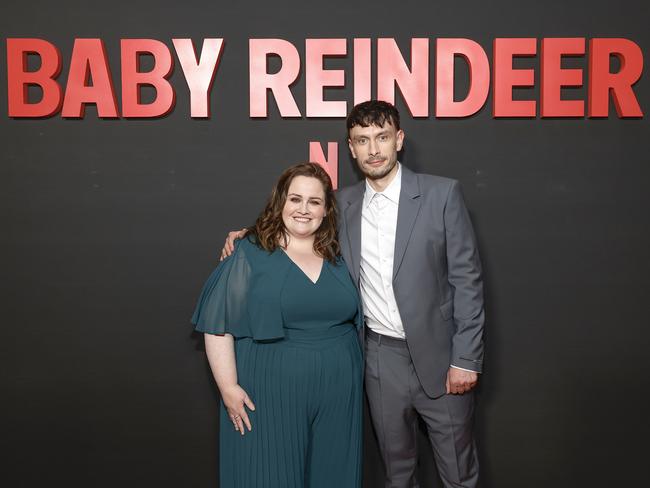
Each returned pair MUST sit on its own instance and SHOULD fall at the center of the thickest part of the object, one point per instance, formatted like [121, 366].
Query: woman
[280, 318]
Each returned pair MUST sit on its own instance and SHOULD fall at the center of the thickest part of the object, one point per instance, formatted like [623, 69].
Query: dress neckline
[320, 273]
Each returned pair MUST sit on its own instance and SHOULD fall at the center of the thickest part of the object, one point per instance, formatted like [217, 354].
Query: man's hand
[460, 381]
[229, 245]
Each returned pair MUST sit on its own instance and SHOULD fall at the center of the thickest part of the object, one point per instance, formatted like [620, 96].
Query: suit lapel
[409, 207]
[352, 215]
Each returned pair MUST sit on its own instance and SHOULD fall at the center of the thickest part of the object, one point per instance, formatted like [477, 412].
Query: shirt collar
[391, 192]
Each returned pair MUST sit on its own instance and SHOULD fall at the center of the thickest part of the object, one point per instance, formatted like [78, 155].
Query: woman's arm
[220, 350]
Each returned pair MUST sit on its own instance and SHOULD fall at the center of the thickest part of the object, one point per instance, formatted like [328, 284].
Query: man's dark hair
[373, 112]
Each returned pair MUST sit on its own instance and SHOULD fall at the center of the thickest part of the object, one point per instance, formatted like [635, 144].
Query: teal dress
[298, 358]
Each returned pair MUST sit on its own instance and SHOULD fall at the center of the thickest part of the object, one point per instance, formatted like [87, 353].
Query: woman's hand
[221, 356]
[236, 400]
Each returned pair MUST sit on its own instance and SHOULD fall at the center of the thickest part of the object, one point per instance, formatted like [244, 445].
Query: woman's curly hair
[269, 231]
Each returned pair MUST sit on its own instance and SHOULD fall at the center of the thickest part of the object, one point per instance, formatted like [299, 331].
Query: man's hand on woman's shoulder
[229, 245]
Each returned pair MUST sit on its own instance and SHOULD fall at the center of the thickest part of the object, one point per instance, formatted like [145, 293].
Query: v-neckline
[320, 273]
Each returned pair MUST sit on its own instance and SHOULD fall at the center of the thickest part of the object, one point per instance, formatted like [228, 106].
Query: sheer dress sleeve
[222, 305]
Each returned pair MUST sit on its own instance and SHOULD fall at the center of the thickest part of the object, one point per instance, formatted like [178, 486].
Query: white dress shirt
[378, 229]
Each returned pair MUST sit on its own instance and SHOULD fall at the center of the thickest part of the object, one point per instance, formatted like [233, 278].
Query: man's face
[375, 148]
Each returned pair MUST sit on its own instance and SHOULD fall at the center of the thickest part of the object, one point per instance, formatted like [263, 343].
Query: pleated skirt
[307, 425]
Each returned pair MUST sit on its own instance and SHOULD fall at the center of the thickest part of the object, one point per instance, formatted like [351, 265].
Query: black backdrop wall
[109, 227]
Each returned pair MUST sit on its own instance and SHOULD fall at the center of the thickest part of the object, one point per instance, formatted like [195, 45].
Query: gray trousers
[396, 400]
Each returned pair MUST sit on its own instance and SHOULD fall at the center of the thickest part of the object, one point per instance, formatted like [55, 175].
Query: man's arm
[464, 274]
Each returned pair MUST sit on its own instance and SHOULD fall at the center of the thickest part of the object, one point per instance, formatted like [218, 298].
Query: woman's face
[304, 208]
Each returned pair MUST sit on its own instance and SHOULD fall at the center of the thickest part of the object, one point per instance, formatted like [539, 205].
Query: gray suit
[438, 288]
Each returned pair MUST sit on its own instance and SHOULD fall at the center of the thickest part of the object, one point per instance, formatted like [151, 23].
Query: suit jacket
[436, 273]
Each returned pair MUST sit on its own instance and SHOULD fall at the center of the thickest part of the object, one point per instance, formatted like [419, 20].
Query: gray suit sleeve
[464, 274]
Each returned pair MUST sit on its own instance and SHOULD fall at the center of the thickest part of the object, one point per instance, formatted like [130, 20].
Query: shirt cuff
[464, 369]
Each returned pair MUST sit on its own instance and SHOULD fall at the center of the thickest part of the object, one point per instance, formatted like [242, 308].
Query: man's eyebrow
[382, 133]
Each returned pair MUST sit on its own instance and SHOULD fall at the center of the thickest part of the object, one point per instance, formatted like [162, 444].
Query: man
[409, 245]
